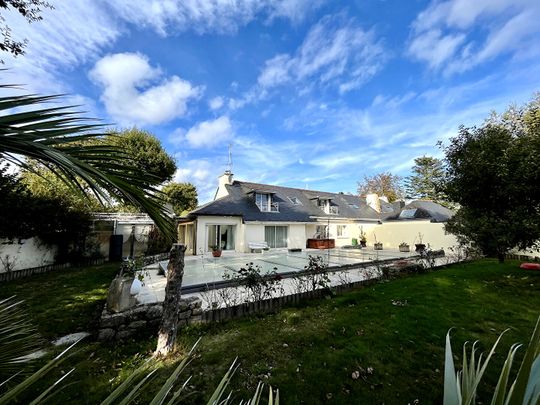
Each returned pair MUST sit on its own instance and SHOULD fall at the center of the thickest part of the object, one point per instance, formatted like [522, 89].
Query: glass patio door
[221, 236]
[275, 236]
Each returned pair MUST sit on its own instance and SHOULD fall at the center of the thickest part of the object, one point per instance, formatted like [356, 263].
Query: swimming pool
[207, 270]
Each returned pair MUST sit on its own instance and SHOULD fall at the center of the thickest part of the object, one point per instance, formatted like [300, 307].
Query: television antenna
[229, 161]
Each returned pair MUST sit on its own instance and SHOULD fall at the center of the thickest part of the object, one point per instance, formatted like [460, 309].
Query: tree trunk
[169, 320]
[500, 256]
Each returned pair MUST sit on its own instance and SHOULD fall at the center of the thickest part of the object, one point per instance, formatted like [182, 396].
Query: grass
[64, 301]
[310, 352]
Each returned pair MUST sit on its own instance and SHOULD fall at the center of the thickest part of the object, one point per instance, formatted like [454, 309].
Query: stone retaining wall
[144, 318]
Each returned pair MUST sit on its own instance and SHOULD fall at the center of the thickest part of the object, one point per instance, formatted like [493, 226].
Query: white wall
[253, 233]
[296, 234]
[203, 221]
[297, 237]
[141, 238]
[391, 234]
[531, 253]
[29, 253]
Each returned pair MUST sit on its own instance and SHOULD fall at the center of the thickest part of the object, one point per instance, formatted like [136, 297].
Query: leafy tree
[58, 138]
[41, 182]
[182, 196]
[50, 218]
[428, 173]
[144, 152]
[384, 184]
[493, 174]
[29, 9]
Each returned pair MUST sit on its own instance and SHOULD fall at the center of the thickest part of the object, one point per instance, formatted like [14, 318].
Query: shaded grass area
[310, 352]
[64, 301]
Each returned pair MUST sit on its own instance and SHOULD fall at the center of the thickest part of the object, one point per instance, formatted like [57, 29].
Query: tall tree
[29, 9]
[145, 153]
[56, 137]
[182, 196]
[41, 182]
[384, 184]
[425, 182]
[142, 151]
[493, 174]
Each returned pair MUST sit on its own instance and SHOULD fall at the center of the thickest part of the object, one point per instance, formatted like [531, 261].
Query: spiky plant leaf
[218, 393]
[532, 391]
[18, 337]
[519, 387]
[500, 390]
[59, 139]
[451, 388]
[127, 384]
[11, 394]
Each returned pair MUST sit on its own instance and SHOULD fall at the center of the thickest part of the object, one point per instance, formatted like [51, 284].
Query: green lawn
[309, 352]
[64, 301]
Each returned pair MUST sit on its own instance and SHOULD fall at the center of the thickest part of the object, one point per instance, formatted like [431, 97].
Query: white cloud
[276, 71]
[455, 36]
[71, 34]
[336, 52]
[136, 92]
[193, 171]
[208, 16]
[393, 102]
[210, 133]
[216, 103]
[200, 172]
[434, 47]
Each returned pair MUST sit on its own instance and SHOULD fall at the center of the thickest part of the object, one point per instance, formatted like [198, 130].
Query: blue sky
[308, 93]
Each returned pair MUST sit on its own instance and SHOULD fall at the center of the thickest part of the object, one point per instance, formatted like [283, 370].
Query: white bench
[258, 246]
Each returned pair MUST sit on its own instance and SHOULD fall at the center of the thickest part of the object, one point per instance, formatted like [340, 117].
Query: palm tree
[70, 145]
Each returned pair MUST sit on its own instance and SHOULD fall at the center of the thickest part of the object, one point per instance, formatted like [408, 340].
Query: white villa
[244, 213]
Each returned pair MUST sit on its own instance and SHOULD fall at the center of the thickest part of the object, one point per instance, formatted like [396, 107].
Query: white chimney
[224, 180]
[373, 201]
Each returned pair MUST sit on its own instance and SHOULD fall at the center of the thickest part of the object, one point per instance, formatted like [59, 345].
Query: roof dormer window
[294, 201]
[265, 203]
[326, 205]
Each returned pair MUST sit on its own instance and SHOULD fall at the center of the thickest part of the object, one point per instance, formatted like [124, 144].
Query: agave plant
[171, 391]
[31, 126]
[460, 388]
[19, 338]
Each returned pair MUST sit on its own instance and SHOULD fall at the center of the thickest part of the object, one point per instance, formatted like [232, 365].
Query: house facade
[243, 213]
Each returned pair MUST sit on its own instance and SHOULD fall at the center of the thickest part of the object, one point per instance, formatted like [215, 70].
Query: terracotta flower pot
[378, 246]
[216, 253]
[404, 248]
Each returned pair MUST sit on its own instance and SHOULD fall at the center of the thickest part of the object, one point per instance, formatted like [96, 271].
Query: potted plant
[404, 247]
[216, 251]
[377, 245]
[420, 246]
[363, 239]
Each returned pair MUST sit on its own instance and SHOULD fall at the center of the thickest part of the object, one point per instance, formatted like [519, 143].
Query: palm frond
[18, 337]
[58, 138]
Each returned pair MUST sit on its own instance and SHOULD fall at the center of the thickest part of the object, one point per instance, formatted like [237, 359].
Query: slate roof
[240, 202]
[423, 209]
